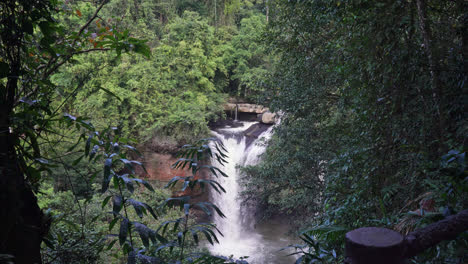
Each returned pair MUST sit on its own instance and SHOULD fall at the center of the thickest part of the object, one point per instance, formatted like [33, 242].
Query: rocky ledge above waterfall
[246, 108]
[255, 111]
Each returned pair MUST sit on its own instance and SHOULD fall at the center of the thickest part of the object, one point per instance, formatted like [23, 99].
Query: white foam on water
[241, 237]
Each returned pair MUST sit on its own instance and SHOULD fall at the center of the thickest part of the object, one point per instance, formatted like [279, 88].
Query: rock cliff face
[246, 108]
[158, 166]
[263, 113]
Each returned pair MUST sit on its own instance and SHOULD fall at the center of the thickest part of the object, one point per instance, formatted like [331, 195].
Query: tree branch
[89, 21]
[448, 229]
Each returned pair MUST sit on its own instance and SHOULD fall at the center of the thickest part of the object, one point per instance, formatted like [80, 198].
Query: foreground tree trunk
[20, 232]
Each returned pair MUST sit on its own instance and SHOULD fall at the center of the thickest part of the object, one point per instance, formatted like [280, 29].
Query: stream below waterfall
[262, 241]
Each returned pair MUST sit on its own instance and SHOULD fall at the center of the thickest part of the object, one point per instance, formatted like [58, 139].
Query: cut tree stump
[371, 245]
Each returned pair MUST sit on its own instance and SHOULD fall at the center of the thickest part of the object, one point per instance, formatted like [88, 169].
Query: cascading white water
[241, 236]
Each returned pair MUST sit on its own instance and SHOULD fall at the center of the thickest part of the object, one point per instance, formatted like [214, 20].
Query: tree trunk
[435, 79]
[20, 231]
[448, 229]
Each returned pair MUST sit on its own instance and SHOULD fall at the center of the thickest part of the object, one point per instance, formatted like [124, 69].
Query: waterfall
[236, 111]
[241, 236]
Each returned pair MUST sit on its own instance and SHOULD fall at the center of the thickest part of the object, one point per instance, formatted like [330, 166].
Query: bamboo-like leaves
[105, 201]
[207, 231]
[112, 223]
[190, 182]
[128, 180]
[192, 158]
[208, 208]
[107, 175]
[174, 201]
[141, 208]
[145, 233]
[117, 204]
[165, 225]
[124, 228]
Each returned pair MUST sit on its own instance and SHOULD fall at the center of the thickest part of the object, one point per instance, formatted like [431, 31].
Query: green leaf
[46, 28]
[208, 237]
[88, 144]
[74, 145]
[42, 161]
[107, 175]
[111, 244]
[131, 259]
[106, 200]
[130, 187]
[71, 224]
[75, 162]
[138, 206]
[150, 210]
[117, 204]
[94, 152]
[144, 232]
[147, 185]
[28, 27]
[143, 49]
[48, 243]
[110, 93]
[132, 148]
[112, 223]
[124, 225]
[69, 117]
[180, 237]
[195, 236]
[91, 179]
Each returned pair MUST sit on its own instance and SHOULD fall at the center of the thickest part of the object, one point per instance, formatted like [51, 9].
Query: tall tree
[33, 47]
[22, 221]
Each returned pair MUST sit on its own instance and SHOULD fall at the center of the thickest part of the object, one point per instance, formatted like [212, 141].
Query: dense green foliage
[371, 93]
[149, 230]
[174, 94]
[62, 61]
[170, 95]
[33, 47]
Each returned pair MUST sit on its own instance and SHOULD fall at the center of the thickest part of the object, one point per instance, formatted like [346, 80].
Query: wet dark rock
[221, 123]
[253, 132]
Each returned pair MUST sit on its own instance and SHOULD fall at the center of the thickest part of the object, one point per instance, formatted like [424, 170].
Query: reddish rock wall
[158, 166]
